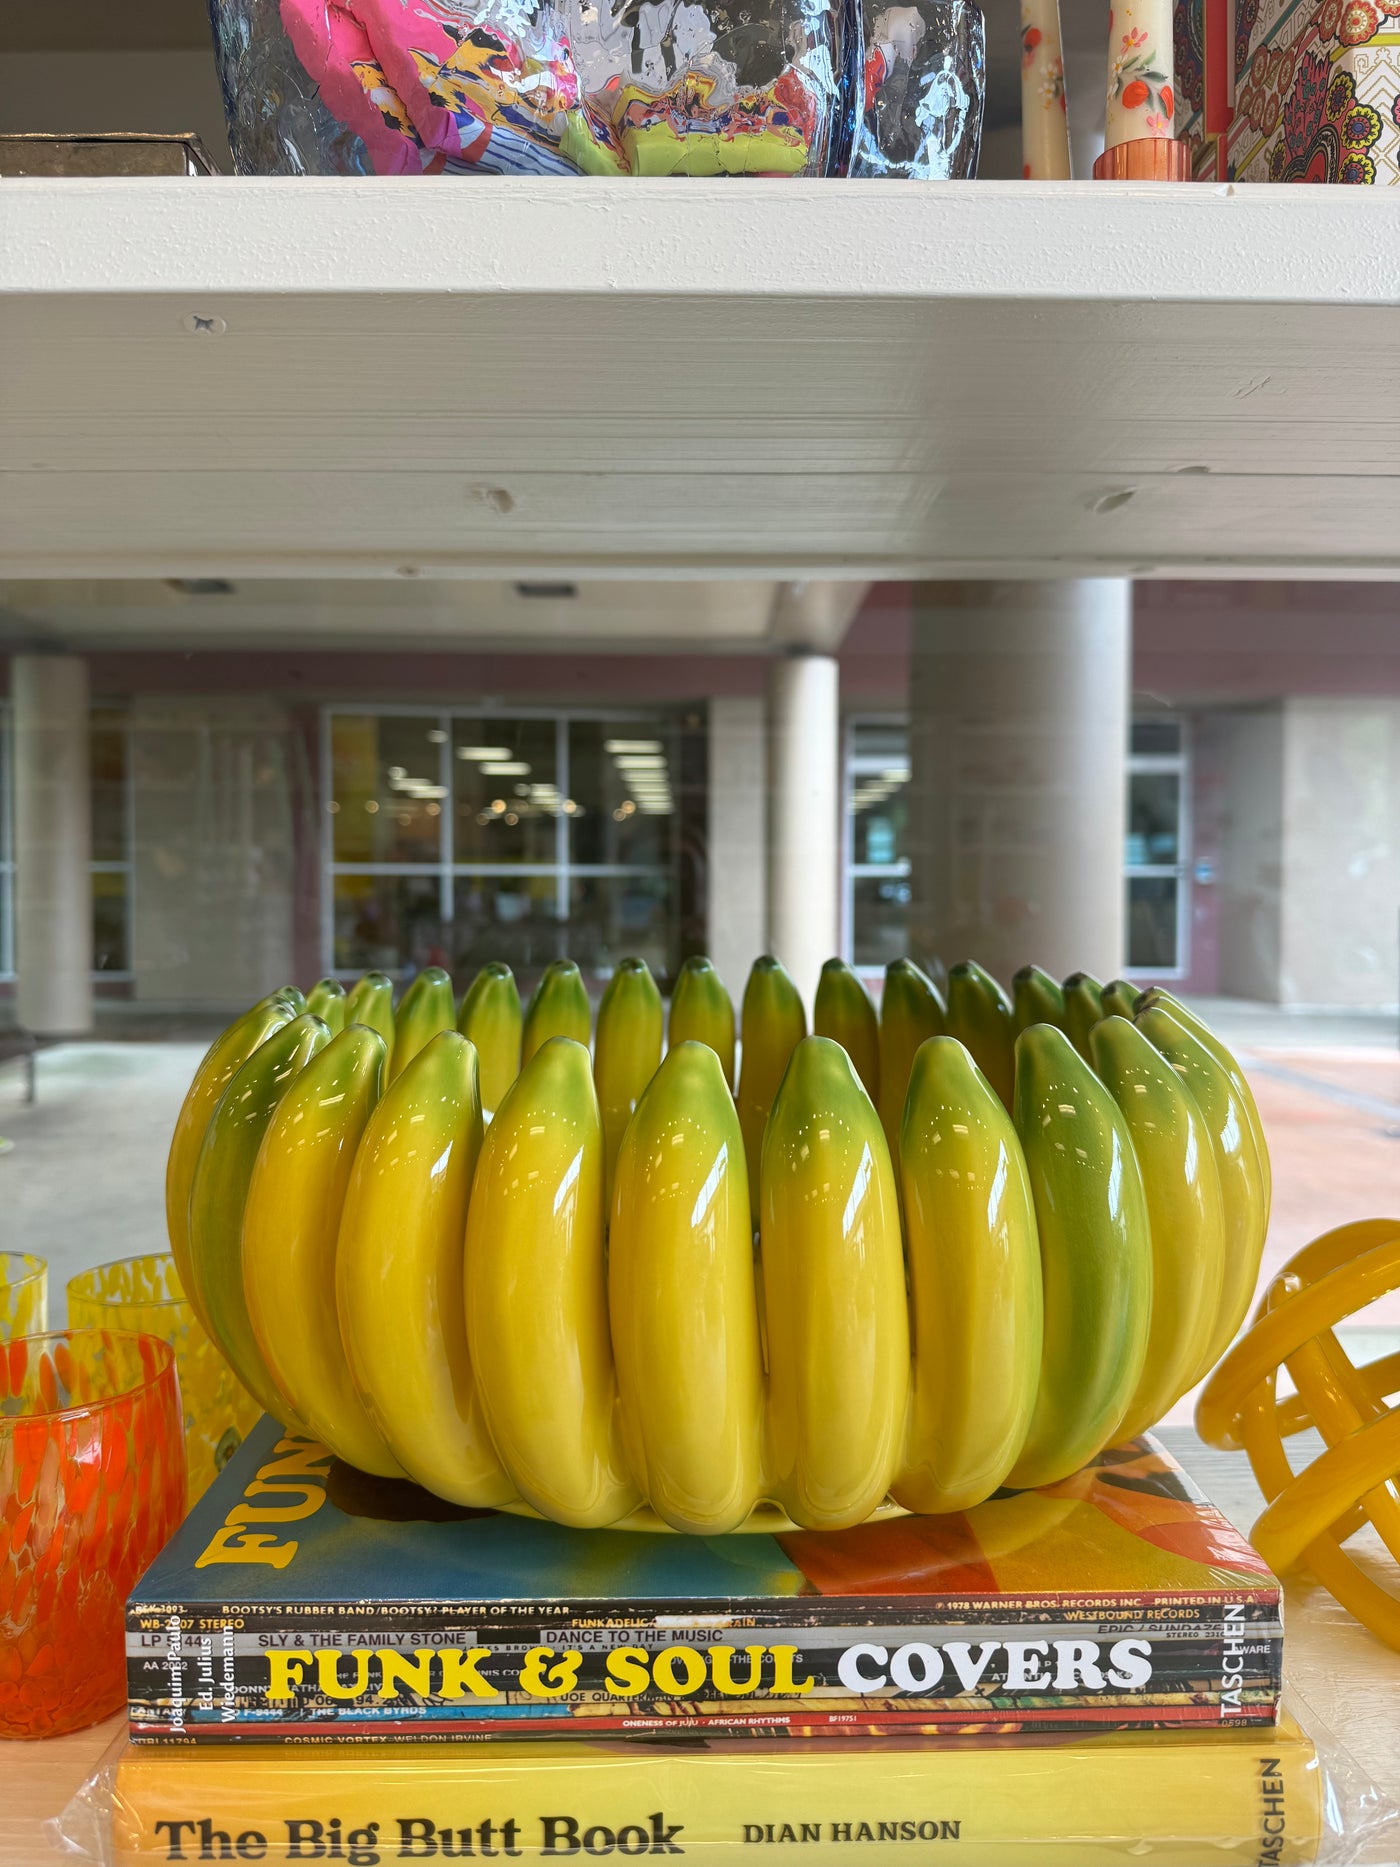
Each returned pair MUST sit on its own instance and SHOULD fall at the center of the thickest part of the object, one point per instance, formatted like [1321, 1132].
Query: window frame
[1178, 763]
[854, 765]
[663, 720]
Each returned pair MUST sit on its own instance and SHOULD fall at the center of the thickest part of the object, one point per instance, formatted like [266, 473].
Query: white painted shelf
[756, 379]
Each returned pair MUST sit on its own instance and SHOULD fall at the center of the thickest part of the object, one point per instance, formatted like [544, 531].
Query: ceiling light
[436, 736]
[480, 752]
[506, 768]
[632, 745]
[396, 772]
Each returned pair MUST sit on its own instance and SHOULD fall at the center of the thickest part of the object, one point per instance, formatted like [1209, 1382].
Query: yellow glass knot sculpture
[1310, 1515]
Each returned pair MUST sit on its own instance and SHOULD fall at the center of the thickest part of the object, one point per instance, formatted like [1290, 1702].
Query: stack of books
[325, 1666]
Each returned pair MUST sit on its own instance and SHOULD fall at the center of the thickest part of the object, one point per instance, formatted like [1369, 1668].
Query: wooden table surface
[1344, 1683]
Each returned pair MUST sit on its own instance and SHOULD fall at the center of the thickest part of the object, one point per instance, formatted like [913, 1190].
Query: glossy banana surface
[974, 1284]
[399, 1276]
[1156, 998]
[837, 1324]
[1083, 1009]
[1237, 1162]
[558, 1008]
[1120, 999]
[427, 1007]
[219, 1065]
[370, 1001]
[1095, 1256]
[490, 1018]
[220, 1192]
[1037, 999]
[291, 1221]
[911, 1011]
[326, 1000]
[773, 1024]
[537, 1298]
[1186, 1216]
[843, 1012]
[683, 1304]
[981, 1017]
[626, 1052]
[702, 1012]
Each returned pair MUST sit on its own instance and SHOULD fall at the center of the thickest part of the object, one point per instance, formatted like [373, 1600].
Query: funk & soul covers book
[304, 1603]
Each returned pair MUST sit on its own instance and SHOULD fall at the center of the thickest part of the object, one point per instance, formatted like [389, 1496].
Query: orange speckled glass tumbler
[92, 1483]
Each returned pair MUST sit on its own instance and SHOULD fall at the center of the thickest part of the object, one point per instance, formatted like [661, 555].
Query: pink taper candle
[1044, 129]
[1141, 80]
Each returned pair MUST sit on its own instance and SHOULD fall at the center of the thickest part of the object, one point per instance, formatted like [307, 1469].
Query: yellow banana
[1095, 1256]
[327, 1000]
[220, 1192]
[974, 1273]
[911, 1011]
[772, 1024]
[843, 1012]
[219, 1065]
[427, 1007]
[290, 1225]
[703, 1013]
[1083, 1009]
[626, 1052]
[1204, 1035]
[682, 1301]
[558, 1008]
[1120, 999]
[836, 1318]
[370, 1001]
[536, 1294]
[980, 1016]
[399, 1276]
[1236, 1159]
[1185, 1214]
[1037, 999]
[490, 1018]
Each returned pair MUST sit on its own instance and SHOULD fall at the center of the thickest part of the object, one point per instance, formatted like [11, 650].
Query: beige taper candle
[1044, 128]
[1141, 76]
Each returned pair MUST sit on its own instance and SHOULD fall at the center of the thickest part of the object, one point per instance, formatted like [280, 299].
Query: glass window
[625, 785]
[1157, 849]
[877, 869]
[109, 784]
[1154, 817]
[1153, 908]
[111, 942]
[511, 917]
[7, 853]
[541, 836]
[505, 776]
[387, 787]
[387, 923]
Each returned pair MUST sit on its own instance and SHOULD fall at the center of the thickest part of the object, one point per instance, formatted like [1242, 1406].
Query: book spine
[359, 1674]
[1228, 1797]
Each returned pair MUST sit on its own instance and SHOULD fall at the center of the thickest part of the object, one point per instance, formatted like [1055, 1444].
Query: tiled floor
[84, 1180]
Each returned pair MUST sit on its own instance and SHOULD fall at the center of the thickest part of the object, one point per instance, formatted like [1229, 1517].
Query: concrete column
[1019, 697]
[738, 836]
[53, 844]
[804, 729]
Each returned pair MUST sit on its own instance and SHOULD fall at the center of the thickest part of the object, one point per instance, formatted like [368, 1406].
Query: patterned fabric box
[1316, 90]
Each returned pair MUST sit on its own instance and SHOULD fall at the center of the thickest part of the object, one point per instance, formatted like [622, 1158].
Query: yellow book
[1176, 1799]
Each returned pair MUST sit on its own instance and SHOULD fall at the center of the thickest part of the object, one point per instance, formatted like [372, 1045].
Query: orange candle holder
[92, 1485]
[144, 1295]
[1312, 1513]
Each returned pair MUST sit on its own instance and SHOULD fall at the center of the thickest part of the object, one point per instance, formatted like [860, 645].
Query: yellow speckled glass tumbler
[24, 1294]
[144, 1294]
